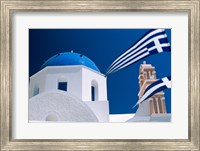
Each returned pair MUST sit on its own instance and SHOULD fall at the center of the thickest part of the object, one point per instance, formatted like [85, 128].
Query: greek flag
[153, 42]
[154, 88]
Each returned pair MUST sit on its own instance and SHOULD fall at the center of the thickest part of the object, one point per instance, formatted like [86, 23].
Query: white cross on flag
[153, 42]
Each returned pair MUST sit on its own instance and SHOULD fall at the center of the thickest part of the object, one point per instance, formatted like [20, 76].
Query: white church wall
[160, 117]
[69, 74]
[116, 118]
[51, 82]
[143, 109]
[37, 81]
[48, 78]
[80, 80]
[139, 119]
[100, 109]
[59, 106]
[89, 76]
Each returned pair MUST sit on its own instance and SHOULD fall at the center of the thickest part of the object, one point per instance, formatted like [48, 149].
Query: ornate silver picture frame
[10, 7]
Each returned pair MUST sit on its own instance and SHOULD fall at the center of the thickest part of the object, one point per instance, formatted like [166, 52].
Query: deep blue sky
[102, 46]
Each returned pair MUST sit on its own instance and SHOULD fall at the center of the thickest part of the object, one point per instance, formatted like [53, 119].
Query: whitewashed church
[70, 88]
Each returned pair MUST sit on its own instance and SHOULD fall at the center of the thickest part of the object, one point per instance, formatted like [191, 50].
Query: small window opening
[62, 86]
[36, 91]
[93, 93]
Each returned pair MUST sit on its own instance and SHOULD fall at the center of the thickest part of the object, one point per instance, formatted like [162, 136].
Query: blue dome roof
[68, 59]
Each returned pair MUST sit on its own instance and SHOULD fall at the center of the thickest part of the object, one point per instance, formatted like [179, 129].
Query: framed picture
[97, 86]
[99, 75]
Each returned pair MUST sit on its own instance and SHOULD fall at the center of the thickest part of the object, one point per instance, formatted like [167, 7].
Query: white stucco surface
[153, 118]
[100, 109]
[90, 77]
[161, 118]
[64, 106]
[143, 109]
[78, 77]
[120, 117]
[139, 119]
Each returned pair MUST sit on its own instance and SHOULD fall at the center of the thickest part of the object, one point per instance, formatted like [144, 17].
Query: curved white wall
[80, 80]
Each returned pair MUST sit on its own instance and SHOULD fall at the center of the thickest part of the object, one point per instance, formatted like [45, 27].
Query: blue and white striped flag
[153, 42]
[154, 88]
